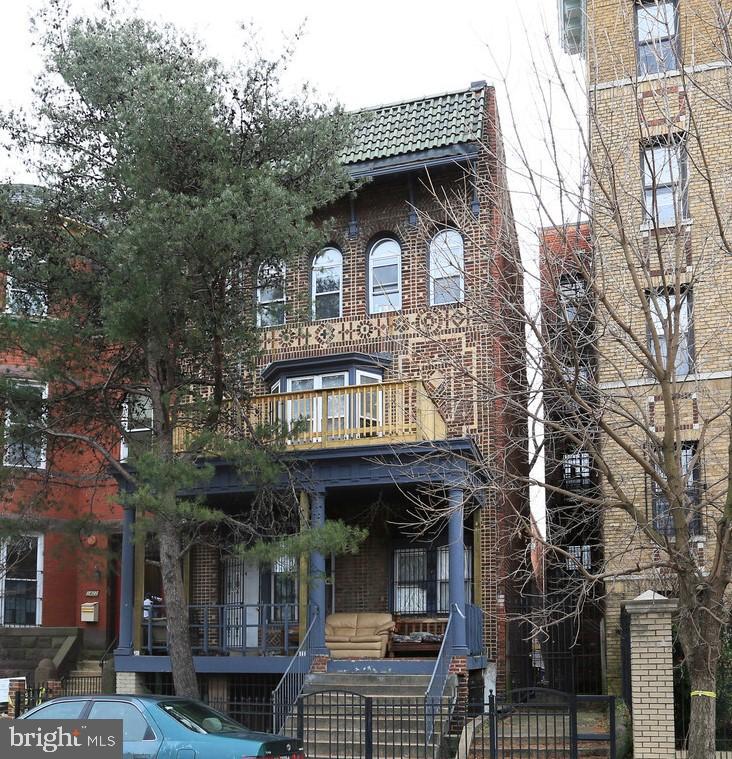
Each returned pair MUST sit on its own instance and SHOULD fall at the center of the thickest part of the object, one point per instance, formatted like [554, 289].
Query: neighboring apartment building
[660, 132]
[387, 357]
[52, 561]
[569, 612]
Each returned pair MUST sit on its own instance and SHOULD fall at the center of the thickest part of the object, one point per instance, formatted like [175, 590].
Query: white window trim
[659, 319]
[124, 449]
[678, 185]
[7, 422]
[313, 279]
[671, 38]
[459, 269]
[39, 578]
[370, 263]
[9, 288]
[282, 300]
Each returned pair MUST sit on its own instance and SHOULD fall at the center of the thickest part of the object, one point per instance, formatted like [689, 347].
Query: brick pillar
[16, 686]
[652, 675]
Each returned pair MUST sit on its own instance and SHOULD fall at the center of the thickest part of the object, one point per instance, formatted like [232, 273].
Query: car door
[140, 738]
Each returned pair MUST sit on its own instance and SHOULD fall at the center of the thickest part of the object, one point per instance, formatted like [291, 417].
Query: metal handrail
[289, 688]
[440, 673]
[250, 629]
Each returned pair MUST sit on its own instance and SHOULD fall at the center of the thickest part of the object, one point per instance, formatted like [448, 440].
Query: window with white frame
[572, 21]
[385, 276]
[24, 443]
[657, 26]
[446, 268]
[21, 580]
[327, 284]
[137, 421]
[664, 182]
[23, 295]
[271, 294]
[671, 325]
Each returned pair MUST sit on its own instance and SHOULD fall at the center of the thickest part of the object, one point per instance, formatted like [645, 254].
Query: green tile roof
[424, 124]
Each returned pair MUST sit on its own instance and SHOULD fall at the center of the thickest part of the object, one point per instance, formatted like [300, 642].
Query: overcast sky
[356, 54]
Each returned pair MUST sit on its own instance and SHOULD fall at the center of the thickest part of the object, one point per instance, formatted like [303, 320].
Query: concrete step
[330, 678]
[88, 665]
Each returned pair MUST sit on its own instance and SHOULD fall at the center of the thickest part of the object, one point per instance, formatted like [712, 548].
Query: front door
[241, 604]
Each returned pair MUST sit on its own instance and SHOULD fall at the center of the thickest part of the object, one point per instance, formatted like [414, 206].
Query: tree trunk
[176, 607]
[702, 719]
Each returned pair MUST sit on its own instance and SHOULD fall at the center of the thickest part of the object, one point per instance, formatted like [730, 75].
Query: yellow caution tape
[707, 693]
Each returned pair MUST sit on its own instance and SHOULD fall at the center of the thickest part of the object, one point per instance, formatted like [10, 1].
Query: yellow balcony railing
[389, 412]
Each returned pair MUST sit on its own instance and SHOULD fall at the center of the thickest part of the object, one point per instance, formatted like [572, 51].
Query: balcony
[389, 412]
[383, 413]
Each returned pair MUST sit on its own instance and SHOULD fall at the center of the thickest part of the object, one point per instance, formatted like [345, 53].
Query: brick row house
[659, 136]
[59, 576]
[386, 358]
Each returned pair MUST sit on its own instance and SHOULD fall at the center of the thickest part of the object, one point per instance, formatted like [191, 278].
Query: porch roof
[446, 461]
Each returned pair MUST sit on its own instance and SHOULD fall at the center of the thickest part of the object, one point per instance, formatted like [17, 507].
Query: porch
[256, 630]
[249, 618]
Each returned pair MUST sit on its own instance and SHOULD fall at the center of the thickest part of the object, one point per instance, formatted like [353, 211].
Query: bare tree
[633, 332]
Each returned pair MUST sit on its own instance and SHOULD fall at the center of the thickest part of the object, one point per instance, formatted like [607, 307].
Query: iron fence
[530, 723]
[333, 724]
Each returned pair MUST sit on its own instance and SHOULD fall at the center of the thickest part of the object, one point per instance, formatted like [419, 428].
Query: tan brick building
[660, 152]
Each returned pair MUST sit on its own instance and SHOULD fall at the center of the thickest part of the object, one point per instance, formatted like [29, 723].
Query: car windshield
[200, 718]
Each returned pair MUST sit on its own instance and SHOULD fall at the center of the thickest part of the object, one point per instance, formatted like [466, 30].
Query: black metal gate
[528, 723]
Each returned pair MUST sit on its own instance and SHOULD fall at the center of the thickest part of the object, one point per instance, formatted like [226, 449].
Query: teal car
[168, 727]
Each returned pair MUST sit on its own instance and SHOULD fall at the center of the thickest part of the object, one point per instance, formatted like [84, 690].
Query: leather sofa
[363, 635]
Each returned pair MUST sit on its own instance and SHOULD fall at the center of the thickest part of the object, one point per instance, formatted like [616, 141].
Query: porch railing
[388, 412]
[215, 629]
[285, 695]
[474, 629]
[438, 682]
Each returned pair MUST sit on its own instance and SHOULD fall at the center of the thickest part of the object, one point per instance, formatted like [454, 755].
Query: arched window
[327, 284]
[271, 294]
[385, 276]
[446, 268]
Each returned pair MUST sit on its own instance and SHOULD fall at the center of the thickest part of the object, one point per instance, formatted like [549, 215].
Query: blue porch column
[127, 583]
[457, 570]
[317, 574]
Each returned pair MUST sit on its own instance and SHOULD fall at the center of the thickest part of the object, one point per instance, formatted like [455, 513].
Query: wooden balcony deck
[377, 414]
